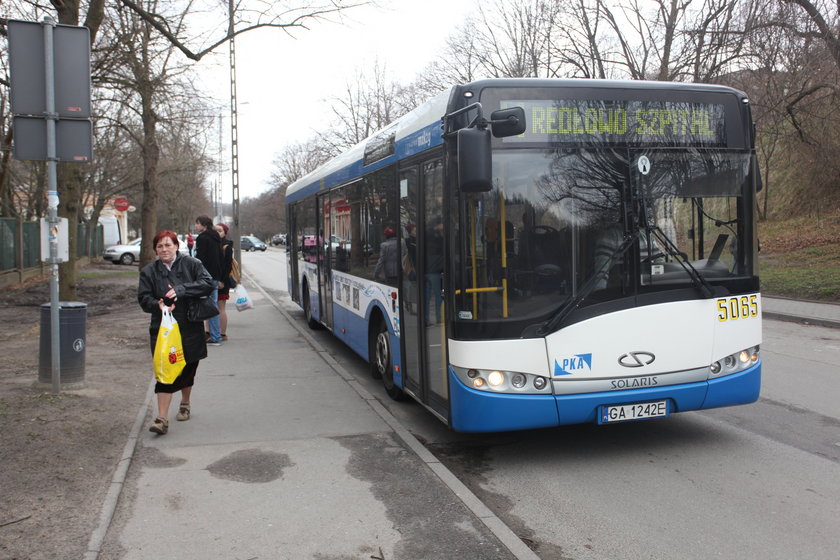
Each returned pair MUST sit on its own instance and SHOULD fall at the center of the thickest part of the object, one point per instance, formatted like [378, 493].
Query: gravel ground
[58, 453]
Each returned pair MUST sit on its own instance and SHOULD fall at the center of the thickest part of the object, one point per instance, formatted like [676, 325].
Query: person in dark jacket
[208, 249]
[387, 266]
[225, 284]
[170, 282]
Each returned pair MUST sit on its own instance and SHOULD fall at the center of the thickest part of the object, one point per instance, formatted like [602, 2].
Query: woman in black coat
[170, 282]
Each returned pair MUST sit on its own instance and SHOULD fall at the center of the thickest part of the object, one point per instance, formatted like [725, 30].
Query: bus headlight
[499, 381]
[495, 378]
[736, 362]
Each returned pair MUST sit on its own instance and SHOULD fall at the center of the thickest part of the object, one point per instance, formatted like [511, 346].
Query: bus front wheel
[381, 362]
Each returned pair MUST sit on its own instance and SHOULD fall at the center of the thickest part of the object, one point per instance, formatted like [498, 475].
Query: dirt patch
[59, 452]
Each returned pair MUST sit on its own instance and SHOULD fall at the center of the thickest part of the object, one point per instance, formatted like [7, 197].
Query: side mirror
[508, 122]
[475, 170]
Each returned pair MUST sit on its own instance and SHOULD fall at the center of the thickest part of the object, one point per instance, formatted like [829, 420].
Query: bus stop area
[286, 454]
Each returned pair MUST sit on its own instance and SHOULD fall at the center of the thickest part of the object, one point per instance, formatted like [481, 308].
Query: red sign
[121, 203]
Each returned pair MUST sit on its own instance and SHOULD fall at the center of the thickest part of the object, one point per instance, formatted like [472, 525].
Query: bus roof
[420, 129]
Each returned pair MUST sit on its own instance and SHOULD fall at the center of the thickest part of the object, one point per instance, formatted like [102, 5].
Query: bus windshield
[597, 224]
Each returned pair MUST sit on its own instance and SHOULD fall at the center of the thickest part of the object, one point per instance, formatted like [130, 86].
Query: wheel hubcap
[382, 352]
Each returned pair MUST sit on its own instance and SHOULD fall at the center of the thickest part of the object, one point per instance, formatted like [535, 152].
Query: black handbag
[201, 308]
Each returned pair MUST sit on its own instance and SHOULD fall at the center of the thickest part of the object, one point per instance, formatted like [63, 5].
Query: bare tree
[265, 214]
[297, 160]
[369, 104]
[113, 172]
[242, 17]
[152, 86]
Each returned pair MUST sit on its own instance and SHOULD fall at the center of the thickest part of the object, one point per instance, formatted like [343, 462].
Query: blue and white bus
[525, 253]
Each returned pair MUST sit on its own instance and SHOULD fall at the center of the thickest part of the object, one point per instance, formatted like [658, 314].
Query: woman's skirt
[186, 379]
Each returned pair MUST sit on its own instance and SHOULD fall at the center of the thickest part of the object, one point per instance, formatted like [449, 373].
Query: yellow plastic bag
[169, 351]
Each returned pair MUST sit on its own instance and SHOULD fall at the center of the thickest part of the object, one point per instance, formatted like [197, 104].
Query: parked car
[251, 243]
[279, 239]
[123, 254]
[130, 253]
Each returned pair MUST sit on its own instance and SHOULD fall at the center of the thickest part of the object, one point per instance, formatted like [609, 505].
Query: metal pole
[234, 142]
[220, 178]
[52, 203]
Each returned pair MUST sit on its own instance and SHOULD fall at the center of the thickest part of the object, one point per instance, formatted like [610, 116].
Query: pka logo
[573, 364]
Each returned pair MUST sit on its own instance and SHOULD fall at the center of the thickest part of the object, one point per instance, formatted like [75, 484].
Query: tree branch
[159, 24]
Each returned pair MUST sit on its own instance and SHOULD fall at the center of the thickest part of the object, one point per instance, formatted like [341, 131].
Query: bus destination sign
[659, 123]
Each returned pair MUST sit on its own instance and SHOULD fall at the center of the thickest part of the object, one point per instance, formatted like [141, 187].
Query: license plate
[638, 411]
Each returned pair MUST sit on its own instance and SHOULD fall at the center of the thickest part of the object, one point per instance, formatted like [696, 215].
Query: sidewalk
[288, 457]
[814, 313]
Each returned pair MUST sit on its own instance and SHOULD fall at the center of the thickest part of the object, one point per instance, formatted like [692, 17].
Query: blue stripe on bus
[739, 388]
[412, 144]
[482, 411]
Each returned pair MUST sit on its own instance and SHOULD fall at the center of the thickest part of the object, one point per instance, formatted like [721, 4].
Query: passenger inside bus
[387, 267]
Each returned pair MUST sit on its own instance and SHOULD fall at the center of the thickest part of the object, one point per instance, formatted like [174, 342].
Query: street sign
[69, 88]
[73, 139]
[121, 203]
[71, 51]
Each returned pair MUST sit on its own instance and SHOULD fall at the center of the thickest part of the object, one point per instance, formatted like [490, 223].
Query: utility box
[72, 320]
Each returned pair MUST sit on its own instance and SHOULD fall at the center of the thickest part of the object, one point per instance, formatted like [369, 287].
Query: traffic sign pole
[52, 203]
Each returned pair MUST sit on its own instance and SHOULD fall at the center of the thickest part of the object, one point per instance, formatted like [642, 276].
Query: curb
[109, 505]
[495, 525]
[775, 316]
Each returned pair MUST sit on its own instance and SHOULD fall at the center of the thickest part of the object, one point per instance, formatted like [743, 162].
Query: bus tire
[381, 361]
[311, 322]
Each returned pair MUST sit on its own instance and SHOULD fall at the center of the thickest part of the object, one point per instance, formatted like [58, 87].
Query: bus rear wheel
[307, 310]
[381, 361]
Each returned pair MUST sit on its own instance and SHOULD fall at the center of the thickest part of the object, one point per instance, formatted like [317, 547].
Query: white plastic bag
[242, 299]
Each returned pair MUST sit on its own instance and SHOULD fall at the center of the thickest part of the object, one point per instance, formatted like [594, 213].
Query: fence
[20, 249]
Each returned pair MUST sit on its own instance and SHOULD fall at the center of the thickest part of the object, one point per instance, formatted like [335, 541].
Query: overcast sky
[284, 83]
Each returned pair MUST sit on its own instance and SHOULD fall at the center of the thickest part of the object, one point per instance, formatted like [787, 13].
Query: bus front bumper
[484, 411]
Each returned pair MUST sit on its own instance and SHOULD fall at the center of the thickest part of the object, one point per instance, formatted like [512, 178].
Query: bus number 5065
[742, 307]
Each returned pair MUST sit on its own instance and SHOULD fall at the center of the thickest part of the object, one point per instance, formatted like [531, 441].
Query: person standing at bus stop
[226, 283]
[170, 282]
[208, 249]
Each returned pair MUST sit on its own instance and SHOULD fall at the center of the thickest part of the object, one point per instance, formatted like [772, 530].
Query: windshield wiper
[587, 288]
[672, 250]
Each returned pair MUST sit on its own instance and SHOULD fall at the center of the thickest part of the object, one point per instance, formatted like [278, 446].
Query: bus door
[324, 257]
[292, 248]
[423, 333]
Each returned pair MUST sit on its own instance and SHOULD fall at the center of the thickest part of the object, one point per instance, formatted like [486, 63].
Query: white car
[130, 253]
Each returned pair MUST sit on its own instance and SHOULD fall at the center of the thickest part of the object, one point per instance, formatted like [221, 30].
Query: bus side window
[380, 212]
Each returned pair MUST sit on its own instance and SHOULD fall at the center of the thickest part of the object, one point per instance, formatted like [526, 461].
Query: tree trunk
[70, 188]
[7, 207]
[151, 155]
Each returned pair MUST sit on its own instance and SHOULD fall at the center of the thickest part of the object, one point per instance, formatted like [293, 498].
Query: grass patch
[800, 257]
